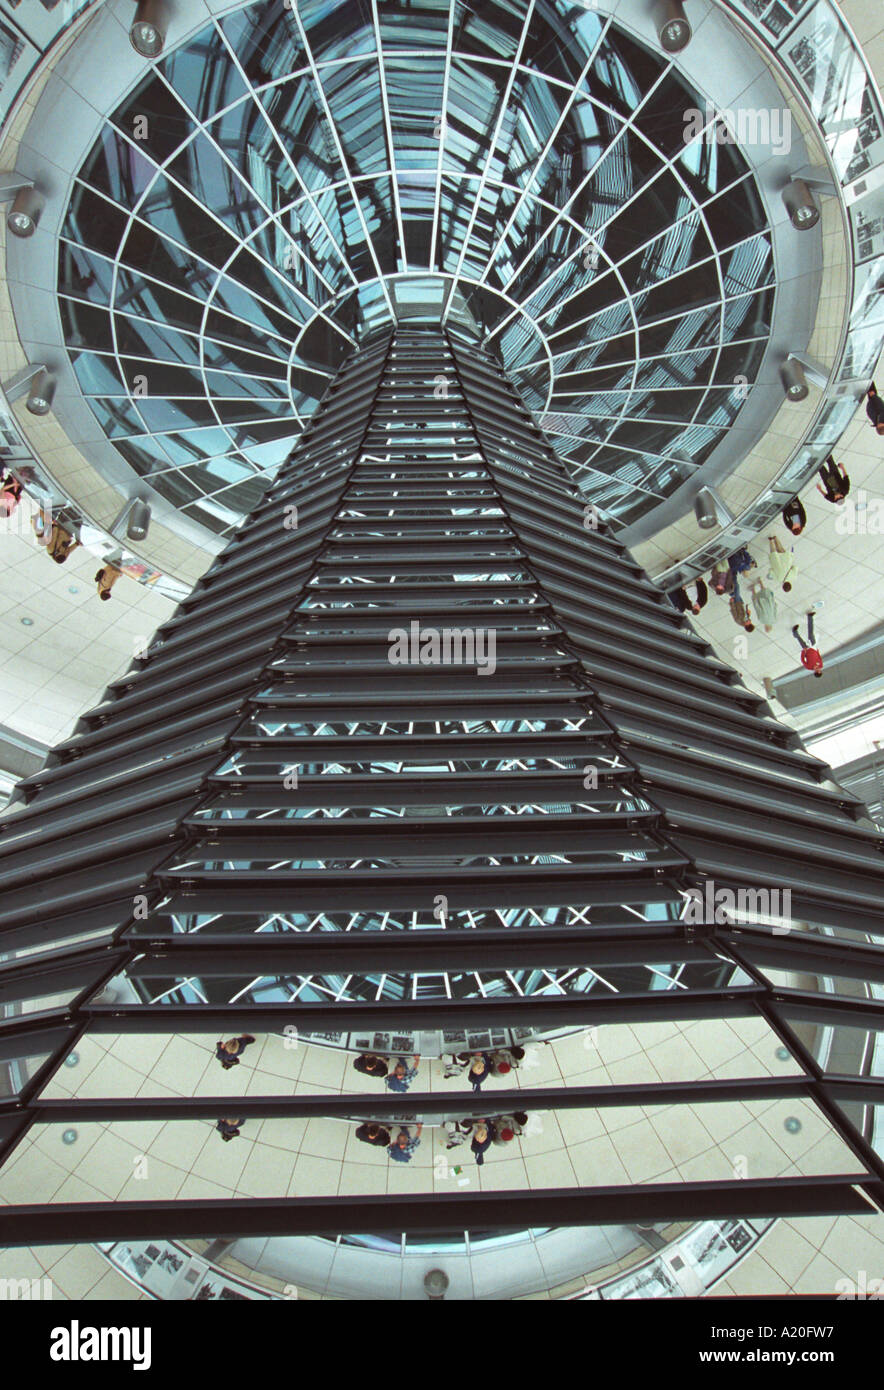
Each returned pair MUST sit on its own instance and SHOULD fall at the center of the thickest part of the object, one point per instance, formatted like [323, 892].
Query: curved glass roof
[293, 178]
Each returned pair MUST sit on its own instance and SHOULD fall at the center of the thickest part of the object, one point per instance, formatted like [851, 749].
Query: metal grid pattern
[294, 179]
[257, 836]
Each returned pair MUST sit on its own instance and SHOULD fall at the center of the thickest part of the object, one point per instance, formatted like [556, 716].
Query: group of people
[398, 1075]
[55, 535]
[478, 1066]
[499, 1129]
[834, 485]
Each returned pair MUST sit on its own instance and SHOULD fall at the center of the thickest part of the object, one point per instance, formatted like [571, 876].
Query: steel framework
[275, 819]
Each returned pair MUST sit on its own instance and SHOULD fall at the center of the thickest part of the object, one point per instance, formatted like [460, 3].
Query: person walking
[836, 483]
[374, 1134]
[403, 1146]
[794, 517]
[765, 604]
[875, 409]
[782, 565]
[228, 1052]
[810, 657]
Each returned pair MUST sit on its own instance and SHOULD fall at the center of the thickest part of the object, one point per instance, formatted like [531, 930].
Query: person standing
[765, 604]
[875, 409]
[228, 1052]
[479, 1070]
[794, 517]
[506, 1059]
[374, 1134]
[722, 580]
[106, 579]
[810, 657]
[782, 565]
[836, 483]
[371, 1065]
[740, 561]
[229, 1129]
[402, 1074]
[10, 495]
[403, 1146]
[506, 1127]
[483, 1137]
[740, 612]
[61, 543]
[683, 601]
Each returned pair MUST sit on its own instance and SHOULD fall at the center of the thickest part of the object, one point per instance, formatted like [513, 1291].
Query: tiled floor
[315, 1157]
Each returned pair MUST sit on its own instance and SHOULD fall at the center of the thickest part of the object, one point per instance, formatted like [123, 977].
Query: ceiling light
[41, 394]
[710, 510]
[673, 27]
[803, 211]
[23, 216]
[139, 521]
[794, 381]
[148, 32]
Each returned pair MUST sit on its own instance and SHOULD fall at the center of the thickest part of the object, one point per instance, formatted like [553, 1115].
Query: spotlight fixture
[148, 32]
[803, 211]
[794, 381]
[23, 216]
[705, 509]
[42, 391]
[139, 521]
[435, 1284]
[673, 29]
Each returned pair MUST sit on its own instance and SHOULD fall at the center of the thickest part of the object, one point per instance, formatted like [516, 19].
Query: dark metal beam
[436, 1212]
[535, 1011]
[431, 948]
[421, 1105]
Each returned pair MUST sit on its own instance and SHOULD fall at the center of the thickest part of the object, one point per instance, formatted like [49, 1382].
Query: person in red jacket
[810, 657]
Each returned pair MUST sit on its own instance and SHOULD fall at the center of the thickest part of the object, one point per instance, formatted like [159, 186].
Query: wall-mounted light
[139, 520]
[35, 381]
[42, 392]
[704, 510]
[136, 514]
[794, 380]
[673, 26]
[800, 205]
[710, 510]
[23, 216]
[148, 32]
